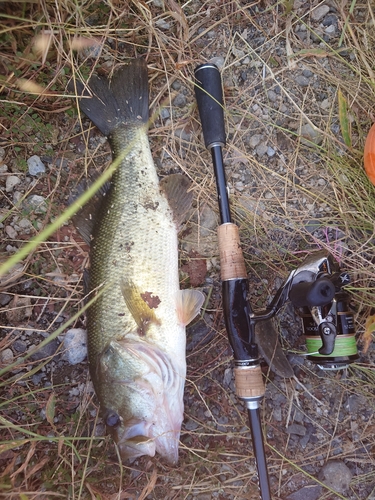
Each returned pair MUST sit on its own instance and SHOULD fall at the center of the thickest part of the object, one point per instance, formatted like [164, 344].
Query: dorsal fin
[84, 219]
[176, 189]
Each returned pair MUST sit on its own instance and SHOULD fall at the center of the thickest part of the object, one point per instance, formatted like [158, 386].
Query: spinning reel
[328, 325]
[315, 290]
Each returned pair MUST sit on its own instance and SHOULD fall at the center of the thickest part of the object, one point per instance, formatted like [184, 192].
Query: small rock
[162, 24]
[355, 403]
[330, 30]
[272, 96]
[330, 20]
[6, 357]
[191, 425]
[3, 169]
[303, 81]
[11, 232]
[36, 166]
[164, 113]
[24, 224]
[297, 429]
[307, 73]
[5, 299]
[176, 85]
[311, 134]
[19, 346]
[44, 352]
[312, 225]
[218, 61]
[184, 134]
[270, 152]
[179, 100]
[268, 195]
[261, 149]
[238, 52]
[227, 376]
[2, 154]
[298, 417]
[336, 475]
[208, 221]
[318, 13]
[36, 204]
[251, 205]
[19, 309]
[37, 378]
[11, 182]
[312, 492]
[17, 196]
[277, 414]
[255, 140]
[75, 345]
[199, 334]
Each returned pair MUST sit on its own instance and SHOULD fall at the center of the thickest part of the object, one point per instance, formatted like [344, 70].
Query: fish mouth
[135, 447]
[138, 439]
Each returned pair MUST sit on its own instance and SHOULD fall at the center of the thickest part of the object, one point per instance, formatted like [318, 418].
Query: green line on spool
[344, 346]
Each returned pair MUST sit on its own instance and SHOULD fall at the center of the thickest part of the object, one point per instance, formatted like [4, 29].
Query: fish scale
[129, 234]
[136, 326]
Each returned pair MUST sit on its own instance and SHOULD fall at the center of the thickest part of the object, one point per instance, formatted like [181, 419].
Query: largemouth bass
[136, 327]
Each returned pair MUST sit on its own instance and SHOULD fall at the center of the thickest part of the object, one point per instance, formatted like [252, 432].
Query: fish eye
[112, 419]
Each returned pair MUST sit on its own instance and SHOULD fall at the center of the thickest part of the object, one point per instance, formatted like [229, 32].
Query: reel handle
[209, 95]
[312, 293]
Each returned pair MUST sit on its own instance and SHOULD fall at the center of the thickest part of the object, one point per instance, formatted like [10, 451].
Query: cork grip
[231, 258]
[249, 382]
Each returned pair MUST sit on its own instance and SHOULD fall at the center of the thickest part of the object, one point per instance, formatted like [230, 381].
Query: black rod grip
[209, 95]
[237, 313]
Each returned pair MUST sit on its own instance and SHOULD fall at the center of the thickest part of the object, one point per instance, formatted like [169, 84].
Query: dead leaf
[50, 409]
[196, 269]
[369, 330]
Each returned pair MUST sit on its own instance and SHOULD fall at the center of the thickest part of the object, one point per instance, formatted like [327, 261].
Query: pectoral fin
[141, 305]
[189, 303]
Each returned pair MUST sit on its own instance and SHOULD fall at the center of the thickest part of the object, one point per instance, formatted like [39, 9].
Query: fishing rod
[236, 308]
[315, 289]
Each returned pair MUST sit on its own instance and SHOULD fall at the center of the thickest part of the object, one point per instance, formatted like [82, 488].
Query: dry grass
[48, 432]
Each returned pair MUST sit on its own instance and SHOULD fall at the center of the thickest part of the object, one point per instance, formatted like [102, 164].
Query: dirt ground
[299, 94]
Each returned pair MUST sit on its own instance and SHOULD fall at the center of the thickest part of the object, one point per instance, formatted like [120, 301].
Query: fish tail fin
[121, 100]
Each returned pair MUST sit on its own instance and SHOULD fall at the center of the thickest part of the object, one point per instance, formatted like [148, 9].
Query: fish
[136, 325]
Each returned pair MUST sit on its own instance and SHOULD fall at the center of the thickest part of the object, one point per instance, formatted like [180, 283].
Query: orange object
[369, 155]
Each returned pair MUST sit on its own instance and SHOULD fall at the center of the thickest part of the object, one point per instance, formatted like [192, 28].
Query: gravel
[35, 165]
[11, 183]
[75, 345]
[336, 475]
